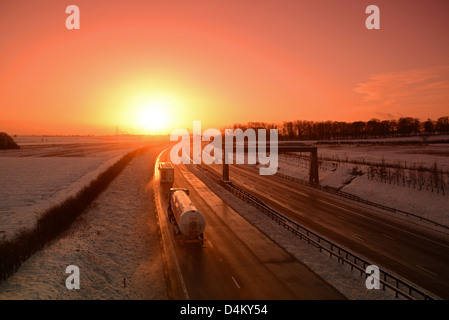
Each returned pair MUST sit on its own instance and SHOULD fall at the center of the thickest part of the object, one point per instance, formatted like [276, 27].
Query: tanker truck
[188, 223]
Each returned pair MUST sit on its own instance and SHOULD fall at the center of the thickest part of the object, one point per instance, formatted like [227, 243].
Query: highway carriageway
[415, 253]
[237, 261]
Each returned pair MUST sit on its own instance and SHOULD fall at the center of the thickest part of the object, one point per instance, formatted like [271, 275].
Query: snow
[425, 204]
[408, 155]
[347, 282]
[337, 169]
[44, 173]
[31, 185]
[123, 217]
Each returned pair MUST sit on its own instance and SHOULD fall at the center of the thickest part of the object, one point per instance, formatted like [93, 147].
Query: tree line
[333, 130]
[7, 142]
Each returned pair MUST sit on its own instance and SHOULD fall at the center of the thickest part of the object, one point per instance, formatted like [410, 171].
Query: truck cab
[166, 173]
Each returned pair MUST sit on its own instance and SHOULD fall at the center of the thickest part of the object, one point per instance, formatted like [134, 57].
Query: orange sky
[218, 61]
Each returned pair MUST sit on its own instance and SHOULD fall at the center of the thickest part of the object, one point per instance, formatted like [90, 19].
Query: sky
[153, 66]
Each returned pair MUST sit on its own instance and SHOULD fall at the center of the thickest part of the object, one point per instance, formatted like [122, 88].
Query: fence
[358, 199]
[387, 279]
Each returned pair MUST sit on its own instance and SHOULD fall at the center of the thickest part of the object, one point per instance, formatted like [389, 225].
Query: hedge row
[55, 220]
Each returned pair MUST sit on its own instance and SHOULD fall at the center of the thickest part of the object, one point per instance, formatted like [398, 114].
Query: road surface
[418, 254]
[237, 261]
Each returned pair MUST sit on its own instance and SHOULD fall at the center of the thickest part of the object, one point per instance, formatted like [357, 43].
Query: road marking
[168, 243]
[303, 194]
[422, 268]
[342, 218]
[358, 237]
[376, 219]
[382, 221]
[210, 243]
[334, 205]
[355, 236]
[235, 282]
[387, 236]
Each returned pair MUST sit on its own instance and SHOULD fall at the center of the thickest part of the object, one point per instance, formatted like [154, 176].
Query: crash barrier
[387, 279]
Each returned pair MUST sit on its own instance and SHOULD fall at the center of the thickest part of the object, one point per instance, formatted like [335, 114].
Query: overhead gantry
[283, 147]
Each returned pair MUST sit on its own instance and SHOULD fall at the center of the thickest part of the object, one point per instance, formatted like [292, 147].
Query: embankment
[57, 219]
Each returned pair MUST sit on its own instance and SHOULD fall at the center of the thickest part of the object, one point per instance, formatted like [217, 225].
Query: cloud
[415, 91]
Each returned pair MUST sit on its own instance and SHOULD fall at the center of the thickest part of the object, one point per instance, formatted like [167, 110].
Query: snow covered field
[123, 216]
[47, 170]
[346, 167]
[115, 244]
[407, 155]
[349, 283]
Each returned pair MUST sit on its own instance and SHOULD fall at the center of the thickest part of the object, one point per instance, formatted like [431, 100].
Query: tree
[408, 126]
[387, 128]
[373, 127]
[442, 125]
[358, 129]
[429, 126]
[6, 142]
[288, 125]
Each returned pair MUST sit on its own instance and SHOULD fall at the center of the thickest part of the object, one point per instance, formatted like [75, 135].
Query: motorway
[237, 262]
[415, 253]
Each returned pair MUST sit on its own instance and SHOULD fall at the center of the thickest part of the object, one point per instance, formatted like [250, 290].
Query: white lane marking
[342, 218]
[355, 236]
[235, 282]
[386, 223]
[273, 183]
[188, 157]
[358, 237]
[387, 236]
[167, 239]
[210, 243]
[334, 205]
[272, 187]
[422, 268]
[303, 194]
[294, 196]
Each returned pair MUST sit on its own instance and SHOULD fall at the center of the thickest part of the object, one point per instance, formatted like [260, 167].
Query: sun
[152, 117]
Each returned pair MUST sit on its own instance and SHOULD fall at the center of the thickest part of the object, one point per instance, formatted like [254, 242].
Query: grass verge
[55, 220]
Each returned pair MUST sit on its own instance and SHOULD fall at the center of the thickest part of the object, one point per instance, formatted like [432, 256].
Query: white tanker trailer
[188, 222]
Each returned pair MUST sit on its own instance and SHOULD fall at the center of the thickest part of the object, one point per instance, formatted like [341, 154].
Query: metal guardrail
[358, 199]
[387, 279]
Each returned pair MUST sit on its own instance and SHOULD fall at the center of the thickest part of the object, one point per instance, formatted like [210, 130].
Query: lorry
[166, 173]
[187, 221]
